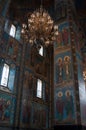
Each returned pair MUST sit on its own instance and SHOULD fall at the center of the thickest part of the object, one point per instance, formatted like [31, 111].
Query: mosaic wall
[26, 112]
[64, 99]
[64, 105]
[36, 60]
[63, 67]
[39, 116]
[7, 108]
[23, 66]
[14, 50]
[33, 114]
[63, 37]
[26, 109]
[79, 41]
[78, 37]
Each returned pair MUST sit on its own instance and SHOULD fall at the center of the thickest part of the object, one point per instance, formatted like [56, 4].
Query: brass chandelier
[40, 29]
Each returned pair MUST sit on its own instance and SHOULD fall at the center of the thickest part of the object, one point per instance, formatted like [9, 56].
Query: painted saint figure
[69, 105]
[60, 106]
[67, 68]
[59, 39]
[60, 69]
[65, 36]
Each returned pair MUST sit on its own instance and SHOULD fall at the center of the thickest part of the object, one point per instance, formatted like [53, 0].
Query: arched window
[39, 88]
[41, 51]
[12, 31]
[7, 75]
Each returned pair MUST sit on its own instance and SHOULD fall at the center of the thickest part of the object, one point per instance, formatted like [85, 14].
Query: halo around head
[60, 94]
[68, 92]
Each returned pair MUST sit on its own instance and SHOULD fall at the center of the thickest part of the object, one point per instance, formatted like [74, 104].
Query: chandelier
[40, 29]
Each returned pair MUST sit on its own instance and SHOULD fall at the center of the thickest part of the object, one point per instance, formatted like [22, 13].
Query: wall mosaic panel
[14, 50]
[63, 67]
[63, 37]
[39, 116]
[78, 37]
[26, 111]
[7, 109]
[27, 84]
[64, 105]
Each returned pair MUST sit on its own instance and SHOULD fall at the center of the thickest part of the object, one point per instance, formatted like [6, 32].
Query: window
[41, 51]
[39, 88]
[12, 30]
[5, 74]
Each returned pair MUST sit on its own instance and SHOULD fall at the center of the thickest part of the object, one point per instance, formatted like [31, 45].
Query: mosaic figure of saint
[60, 69]
[67, 67]
[65, 36]
[7, 109]
[60, 105]
[59, 39]
[69, 104]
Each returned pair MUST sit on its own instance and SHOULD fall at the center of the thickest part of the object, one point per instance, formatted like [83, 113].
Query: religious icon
[67, 67]
[60, 68]
[65, 36]
[69, 104]
[60, 105]
[59, 39]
